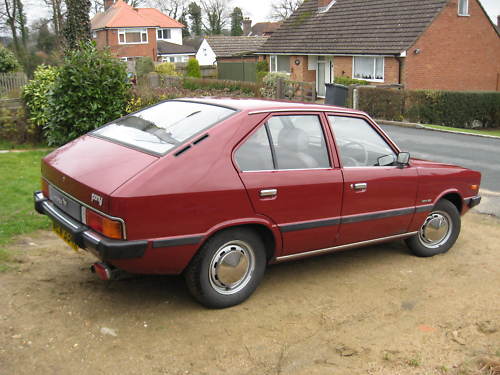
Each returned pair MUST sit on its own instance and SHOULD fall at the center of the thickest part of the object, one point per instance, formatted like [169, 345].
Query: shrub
[193, 69]
[167, 68]
[262, 70]
[347, 81]
[143, 66]
[223, 85]
[36, 95]
[8, 61]
[91, 89]
[270, 83]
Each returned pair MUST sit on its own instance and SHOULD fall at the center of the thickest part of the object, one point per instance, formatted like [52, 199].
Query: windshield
[160, 128]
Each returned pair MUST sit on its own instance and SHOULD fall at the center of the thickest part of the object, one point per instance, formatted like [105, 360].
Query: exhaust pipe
[104, 271]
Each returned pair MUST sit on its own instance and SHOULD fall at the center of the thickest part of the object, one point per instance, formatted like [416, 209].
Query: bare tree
[216, 13]
[98, 5]
[173, 8]
[13, 16]
[283, 9]
[57, 10]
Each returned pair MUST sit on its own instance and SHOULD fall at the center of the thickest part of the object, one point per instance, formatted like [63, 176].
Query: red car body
[171, 205]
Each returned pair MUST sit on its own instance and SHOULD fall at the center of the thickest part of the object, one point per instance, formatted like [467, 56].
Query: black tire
[439, 231]
[221, 260]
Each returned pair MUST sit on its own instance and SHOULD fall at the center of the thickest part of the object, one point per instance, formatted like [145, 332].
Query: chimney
[323, 3]
[498, 21]
[108, 4]
[247, 26]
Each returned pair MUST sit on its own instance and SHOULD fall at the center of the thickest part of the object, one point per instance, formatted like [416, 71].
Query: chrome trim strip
[288, 170]
[302, 110]
[124, 228]
[49, 206]
[343, 247]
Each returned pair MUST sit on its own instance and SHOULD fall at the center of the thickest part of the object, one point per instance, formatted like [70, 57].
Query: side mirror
[386, 160]
[403, 159]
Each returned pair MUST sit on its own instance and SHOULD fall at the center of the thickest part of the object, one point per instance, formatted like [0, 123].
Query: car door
[378, 201]
[290, 177]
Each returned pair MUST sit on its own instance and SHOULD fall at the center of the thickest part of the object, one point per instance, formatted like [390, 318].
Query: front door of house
[323, 74]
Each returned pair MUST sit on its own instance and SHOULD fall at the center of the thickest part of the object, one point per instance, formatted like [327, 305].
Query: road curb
[420, 126]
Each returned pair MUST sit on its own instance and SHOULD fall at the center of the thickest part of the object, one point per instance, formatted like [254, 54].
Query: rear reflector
[102, 270]
[110, 228]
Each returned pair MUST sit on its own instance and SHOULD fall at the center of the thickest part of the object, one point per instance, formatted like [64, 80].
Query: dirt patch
[376, 310]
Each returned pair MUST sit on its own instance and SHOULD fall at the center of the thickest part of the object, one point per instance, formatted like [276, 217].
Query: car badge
[96, 198]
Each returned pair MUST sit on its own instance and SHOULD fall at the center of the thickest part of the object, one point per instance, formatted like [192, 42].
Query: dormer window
[164, 34]
[327, 7]
[463, 7]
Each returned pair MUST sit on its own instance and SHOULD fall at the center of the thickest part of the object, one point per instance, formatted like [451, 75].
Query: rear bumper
[86, 238]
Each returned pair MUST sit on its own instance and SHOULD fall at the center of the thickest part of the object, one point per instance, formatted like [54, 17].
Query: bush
[223, 85]
[193, 69]
[36, 95]
[270, 83]
[8, 61]
[144, 66]
[91, 89]
[15, 128]
[262, 70]
[167, 68]
[448, 108]
[347, 81]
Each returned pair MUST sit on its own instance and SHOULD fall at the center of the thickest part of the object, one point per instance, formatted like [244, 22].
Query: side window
[255, 154]
[358, 143]
[299, 142]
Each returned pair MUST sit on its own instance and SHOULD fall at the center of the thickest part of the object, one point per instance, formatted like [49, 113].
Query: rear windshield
[167, 125]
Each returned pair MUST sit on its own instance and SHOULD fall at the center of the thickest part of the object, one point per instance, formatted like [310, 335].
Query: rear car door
[290, 177]
[378, 201]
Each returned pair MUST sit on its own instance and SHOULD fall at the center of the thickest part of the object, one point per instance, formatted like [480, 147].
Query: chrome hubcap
[231, 267]
[436, 230]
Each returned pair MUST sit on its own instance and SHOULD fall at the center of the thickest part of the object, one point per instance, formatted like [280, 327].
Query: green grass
[495, 132]
[19, 177]
[7, 145]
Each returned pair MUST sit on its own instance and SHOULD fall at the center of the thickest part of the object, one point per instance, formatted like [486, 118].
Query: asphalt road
[482, 154]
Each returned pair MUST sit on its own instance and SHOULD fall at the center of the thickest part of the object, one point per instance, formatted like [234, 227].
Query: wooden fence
[11, 82]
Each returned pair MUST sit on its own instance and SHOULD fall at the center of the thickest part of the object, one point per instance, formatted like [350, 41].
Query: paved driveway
[482, 154]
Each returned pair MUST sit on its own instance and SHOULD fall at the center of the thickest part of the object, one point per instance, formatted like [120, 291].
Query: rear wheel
[439, 231]
[227, 269]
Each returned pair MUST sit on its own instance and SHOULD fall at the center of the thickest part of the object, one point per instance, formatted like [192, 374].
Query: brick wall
[110, 38]
[456, 53]
[301, 73]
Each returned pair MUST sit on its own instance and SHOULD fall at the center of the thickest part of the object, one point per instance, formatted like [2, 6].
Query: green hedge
[448, 108]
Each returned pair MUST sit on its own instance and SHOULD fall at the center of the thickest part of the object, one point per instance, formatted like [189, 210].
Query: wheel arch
[454, 197]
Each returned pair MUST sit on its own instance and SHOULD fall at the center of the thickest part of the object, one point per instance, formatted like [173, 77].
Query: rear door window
[165, 126]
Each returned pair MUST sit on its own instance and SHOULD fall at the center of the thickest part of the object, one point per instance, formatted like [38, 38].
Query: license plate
[65, 236]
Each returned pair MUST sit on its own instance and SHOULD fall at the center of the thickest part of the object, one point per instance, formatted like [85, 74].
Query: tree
[185, 30]
[236, 22]
[283, 9]
[12, 14]
[173, 8]
[46, 41]
[57, 10]
[216, 15]
[195, 15]
[77, 27]
[8, 62]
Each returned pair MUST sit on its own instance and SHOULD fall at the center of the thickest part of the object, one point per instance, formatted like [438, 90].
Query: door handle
[268, 193]
[359, 186]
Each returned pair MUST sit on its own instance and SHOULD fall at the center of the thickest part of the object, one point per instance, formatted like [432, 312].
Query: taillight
[44, 186]
[110, 228]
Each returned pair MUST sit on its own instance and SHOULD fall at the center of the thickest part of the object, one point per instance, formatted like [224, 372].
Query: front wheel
[439, 231]
[227, 269]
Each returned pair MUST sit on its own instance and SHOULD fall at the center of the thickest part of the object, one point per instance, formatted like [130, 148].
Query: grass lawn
[495, 132]
[7, 145]
[19, 177]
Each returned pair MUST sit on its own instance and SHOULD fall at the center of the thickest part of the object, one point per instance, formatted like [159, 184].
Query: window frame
[273, 65]
[373, 126]
[374, 57]
[463, 12]
[141, 31]
[327, 133]
[162, 31]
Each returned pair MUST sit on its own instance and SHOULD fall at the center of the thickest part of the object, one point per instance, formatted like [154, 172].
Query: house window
[94, 34]
[164, 34]
[280, 64]
[369, 68]
[133, 36]
[463, 7]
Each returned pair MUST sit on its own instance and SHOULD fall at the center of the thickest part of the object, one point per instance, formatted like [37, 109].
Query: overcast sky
[257, 10]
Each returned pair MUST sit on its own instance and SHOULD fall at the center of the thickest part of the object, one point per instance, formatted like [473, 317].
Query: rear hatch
[90, 169]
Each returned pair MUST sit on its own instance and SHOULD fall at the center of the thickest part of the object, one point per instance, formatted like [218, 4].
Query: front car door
[291, 177]
[378, 201]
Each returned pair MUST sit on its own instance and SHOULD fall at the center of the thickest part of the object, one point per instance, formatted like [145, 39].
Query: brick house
[219, 48]
[139, 32]
[424, 44]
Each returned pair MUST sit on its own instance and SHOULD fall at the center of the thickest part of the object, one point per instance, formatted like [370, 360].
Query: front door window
[323, 74]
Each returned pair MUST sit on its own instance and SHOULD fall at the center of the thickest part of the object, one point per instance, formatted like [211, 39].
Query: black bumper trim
[181, 241]
[473, 202]
[85, 237]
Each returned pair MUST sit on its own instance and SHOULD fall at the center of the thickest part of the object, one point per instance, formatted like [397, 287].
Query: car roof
[267, 105]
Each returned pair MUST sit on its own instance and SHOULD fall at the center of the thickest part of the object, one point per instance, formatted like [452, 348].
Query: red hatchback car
[219, 188]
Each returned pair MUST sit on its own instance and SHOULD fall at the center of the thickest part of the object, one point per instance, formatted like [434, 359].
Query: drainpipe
[401, 78]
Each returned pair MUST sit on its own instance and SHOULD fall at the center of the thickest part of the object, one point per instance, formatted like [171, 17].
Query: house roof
[166, 48]
[226, 46]
[354, 27]
[120, 14]
[262, 28]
